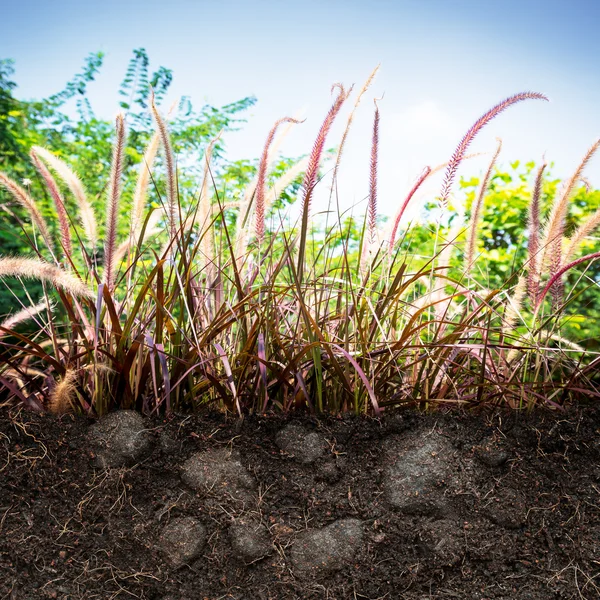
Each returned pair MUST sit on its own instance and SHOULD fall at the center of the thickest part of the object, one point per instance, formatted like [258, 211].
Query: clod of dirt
[250, 540]
[445, 540]
[418, 469]
[328, 471]
[181, 541]
[219, 472]
[322, 551]
[168, 445]
[120, 439]
[491, 453]
[506, 507]
[306, 446]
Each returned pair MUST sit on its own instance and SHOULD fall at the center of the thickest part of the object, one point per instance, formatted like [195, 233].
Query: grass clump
[205, 303]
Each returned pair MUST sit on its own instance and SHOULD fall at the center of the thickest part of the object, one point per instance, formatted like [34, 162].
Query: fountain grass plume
[205, 213]
[514, 305]
[203, 197]
[61, 397]
[361, 93]
[34, 268]
[371, 234]
[59, 203]
[583, 230]
[86, 211]
[476, 212]
[250, 190]
[243, 224]
[580, 234]
[25, 200]
[280, 184]
[533, 245]
[372, 207]
[552, 244]
[426, 172]
[21, 316]
[556, 276]
[141, 187]
[112, 204]
[464, 144]
[554, 230]
[165, 139]
[262, 177]
[312, 170]
[242, 234]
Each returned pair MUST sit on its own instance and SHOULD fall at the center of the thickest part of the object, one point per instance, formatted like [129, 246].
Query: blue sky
[443, 63]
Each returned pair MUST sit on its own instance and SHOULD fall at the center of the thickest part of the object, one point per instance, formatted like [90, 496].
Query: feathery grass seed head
[86, 211]
[464, 144]
[141, 188]
[476, 212]
[170, 167]
[59, 203]
[33, 268]
[25, 200]
[262, 177]
[112, 203]
[22, 315]
[61, 398]
[533, 245]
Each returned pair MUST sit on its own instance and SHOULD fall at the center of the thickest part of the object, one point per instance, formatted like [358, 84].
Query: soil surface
[443, 505]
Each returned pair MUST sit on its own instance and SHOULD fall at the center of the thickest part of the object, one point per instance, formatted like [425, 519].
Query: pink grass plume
[464, 144]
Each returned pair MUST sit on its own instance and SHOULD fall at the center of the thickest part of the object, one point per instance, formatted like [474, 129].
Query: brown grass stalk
[112, 204]
[464, 144]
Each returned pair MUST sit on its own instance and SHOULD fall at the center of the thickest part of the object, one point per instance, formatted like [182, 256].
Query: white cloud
[422, 123]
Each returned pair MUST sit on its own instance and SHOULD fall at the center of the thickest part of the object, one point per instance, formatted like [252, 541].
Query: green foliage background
[85, 142]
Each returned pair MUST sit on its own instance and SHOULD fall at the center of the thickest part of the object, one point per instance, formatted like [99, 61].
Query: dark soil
[407, 506]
